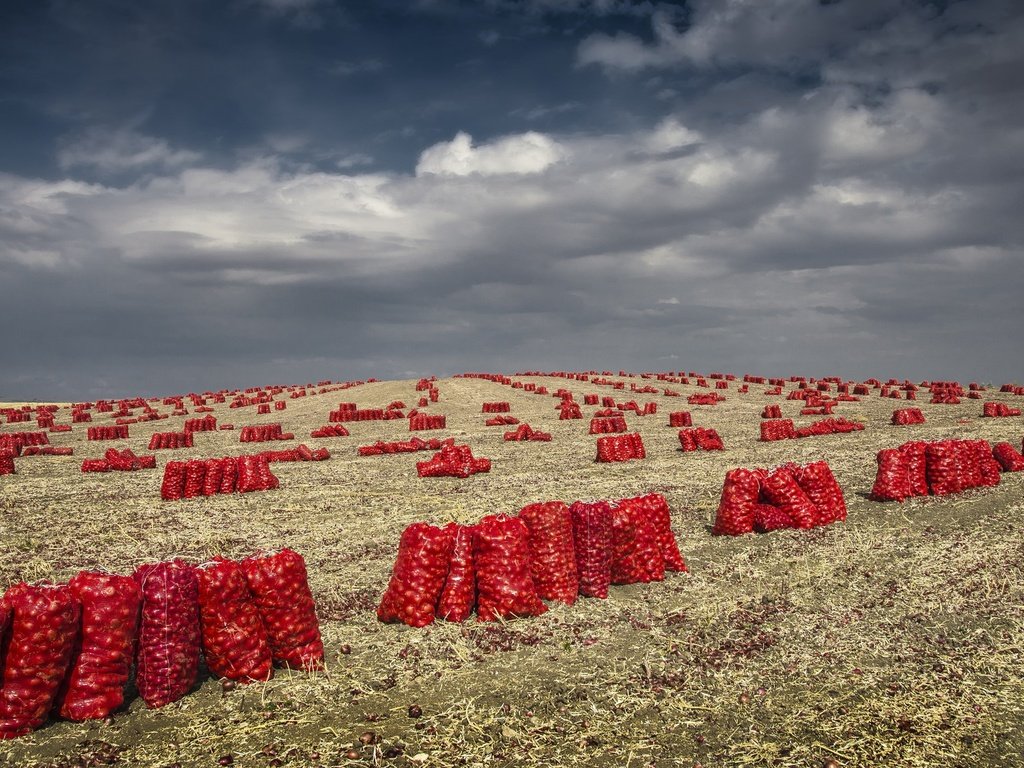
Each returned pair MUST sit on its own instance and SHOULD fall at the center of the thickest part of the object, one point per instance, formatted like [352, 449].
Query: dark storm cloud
[197, 195]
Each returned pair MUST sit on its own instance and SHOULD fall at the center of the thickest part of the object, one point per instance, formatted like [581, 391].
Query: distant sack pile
[937, 468]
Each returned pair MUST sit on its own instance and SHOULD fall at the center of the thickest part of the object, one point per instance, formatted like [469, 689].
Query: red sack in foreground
[989, 467]
[914, 459]
[103, 655]
[173, 486]
[235, 642]
[253, 474]
[818, 482]
[768, 517]
[781, 489]
[656, 506]
[37, 653]
[167, 660]
[892, 482]
[552, 557]
[636, 555]
[504, 586]
[459, 593]
[943, 467]
[280, 590]
[740, 494]
[421, 567]
[1008, 457]
[592, 544]
[213, 477]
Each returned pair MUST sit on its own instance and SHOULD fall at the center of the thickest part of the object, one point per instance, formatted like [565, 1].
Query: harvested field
[895, 638]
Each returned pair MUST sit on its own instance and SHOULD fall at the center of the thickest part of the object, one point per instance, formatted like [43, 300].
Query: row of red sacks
[329, 430]
[501, 421]
[12, 442]
[790, 496]
[906, 416]
[567, 410]
[603, 425]
[170, 440]
[504, 567]
[680, 419]
[47, 450]
[69, 648]
[405, 446]
[502, 407]
[453, 461]
[783, 429]
[119, 461]
[117, 432]
[526, 432]
[704, 438]
[712, 398]
[422, 421]
[937, 468]
[624, 447]
[992, 409]
[261, 433]
[209, 477]
[205, 424]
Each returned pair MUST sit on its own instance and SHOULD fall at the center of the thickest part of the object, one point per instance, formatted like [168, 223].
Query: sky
[199, 195]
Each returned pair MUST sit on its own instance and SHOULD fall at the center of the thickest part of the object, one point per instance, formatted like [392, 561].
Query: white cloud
[525, 153]
[117, 150]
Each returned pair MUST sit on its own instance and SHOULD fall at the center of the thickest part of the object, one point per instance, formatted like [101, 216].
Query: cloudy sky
[215, 194]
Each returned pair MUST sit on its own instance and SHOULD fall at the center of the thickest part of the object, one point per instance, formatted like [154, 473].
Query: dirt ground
[894, 639]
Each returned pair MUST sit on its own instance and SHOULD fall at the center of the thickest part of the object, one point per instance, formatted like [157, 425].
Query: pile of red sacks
[452, 461]
[992, 410]
[262, 433]
[772, 412]
[702, 438]
[329, 430]
[502, 407]
[568, 409]
[790, 496]
[118, 432]
[404, 446]
[422, 421]
[937, 468]
[161, 440]
[501, 421]
[47, 450]
[504, 567]
[904, 416]
[205, 424]
[783, 429]
[69, 648]
[603, 425]
[301, 452]
[711, 398]
[620, 448]
[1009, 458]
[526, 432]
[209, 477]
[119, 461]
[680, 419]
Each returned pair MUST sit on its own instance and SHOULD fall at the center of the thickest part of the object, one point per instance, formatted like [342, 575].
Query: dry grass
[895, 639]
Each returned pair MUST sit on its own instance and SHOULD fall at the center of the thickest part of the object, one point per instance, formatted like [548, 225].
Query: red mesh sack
[552, 557]
[656, 507]
[212, 477]
[768, 517]
[740, 494]
[708, 439]
[103, 655]
[914, 458]
[418, 578]
[229, 474]
[37, 653]
[504, 586]
[235, 643]
[943, 467]
[892, 482]
[459, 593]
[253, 474]
[818, 482]
[280, 590]
[781, 489]
[592, 544]
[988, 466]
[195, 478]
[167, 659]
[1009, 458]
[173, 485]
[6, 465]
[636, 555]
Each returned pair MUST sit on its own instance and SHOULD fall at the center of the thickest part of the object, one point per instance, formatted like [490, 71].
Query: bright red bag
[504, 586]
[943, 467]
[459, 593]
[103, 655]
[167, 659]
[592, 544]
[740, 494]
[1009, 458]
[235, 643]
[818, 482]
[280, 590]
[892, 481]
[914, 459]
[656, 507]
[636, 554]
[781, 489]
[552, 557]
[418, 578]
[37, 653]
[173, 486]
[212, 477]
[768, 517]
